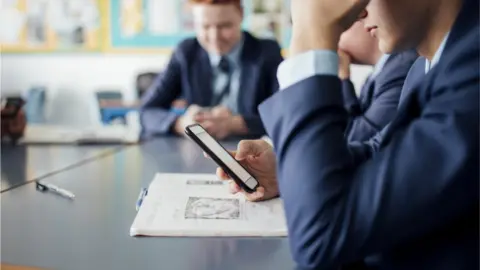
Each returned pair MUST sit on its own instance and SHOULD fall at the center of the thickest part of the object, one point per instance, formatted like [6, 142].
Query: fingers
[222, 175]
[202, 116]
[210, 127]
[244, 149]
[199, 118]
[221, 111]
[248, 148]
[343, 55]
[233, 187]
[192, 111]
[255, 196]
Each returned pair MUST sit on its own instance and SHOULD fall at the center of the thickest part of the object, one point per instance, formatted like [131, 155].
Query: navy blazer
[416, 202]
[363, 150]
[189, 75]
[378, 100]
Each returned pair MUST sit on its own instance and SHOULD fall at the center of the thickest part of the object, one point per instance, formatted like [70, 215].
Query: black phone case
[218, 161]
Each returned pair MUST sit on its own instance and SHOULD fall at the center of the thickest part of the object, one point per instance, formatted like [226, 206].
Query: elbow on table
[315, 249]
[320, 237]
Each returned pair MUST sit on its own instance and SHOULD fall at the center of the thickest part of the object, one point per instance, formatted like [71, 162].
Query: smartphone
[14, 104]
[221, 156]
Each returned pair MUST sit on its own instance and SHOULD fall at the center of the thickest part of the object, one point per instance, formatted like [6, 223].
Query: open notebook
[200, 205]
[49, 134]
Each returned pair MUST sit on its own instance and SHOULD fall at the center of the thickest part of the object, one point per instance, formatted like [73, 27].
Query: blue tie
[224, 67]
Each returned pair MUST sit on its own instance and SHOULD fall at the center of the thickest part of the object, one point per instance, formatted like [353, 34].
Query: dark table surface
[23, 163]
[92, 232]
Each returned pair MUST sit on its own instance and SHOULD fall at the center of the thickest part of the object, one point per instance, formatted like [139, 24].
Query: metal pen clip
[52, 188]
[141, 196]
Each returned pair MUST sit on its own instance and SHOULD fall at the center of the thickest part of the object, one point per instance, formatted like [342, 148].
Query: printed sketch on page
[212, 208]
[204, 182]
[199, 205]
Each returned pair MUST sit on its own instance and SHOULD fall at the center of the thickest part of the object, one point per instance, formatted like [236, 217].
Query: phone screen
[224, 156]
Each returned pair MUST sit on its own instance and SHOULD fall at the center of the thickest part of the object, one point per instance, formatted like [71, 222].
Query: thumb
[198, 117]
[246, 148]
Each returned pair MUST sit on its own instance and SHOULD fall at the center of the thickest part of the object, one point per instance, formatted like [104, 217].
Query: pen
[60, 191]
[141, 196]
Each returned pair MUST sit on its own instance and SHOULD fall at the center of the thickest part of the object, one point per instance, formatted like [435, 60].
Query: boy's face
[218, 27]
[398, 24]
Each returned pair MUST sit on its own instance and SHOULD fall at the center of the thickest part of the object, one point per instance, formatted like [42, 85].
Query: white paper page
[60, 134]
[50, 134]
[110, 133]
[200, 205]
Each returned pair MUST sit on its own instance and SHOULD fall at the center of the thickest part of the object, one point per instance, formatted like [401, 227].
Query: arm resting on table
[155, 114]
[338, 211]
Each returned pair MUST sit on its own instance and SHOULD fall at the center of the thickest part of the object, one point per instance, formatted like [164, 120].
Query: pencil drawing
[212, 208]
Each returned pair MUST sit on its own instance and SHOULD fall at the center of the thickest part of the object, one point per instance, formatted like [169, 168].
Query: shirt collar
[233, 56]
[436, 57]
[379, 65]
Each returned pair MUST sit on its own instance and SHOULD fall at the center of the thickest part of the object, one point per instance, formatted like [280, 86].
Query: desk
[22, 163]
[16, 267]
[92, 232]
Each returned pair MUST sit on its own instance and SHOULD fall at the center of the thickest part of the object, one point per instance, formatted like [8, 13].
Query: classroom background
[66, 53]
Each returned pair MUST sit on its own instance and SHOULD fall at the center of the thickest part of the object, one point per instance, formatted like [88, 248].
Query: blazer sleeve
[388, 88]
[155, 116]
[337, 211]
[273, 59]
[361, 151]
[352, 105]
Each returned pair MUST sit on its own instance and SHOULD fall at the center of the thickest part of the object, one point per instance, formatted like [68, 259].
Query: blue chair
[144, 81]
[109, 115]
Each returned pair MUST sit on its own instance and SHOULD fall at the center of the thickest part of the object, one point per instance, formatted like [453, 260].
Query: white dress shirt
[323, 62]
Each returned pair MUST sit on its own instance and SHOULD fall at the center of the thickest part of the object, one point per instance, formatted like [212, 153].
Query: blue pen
[141, 196]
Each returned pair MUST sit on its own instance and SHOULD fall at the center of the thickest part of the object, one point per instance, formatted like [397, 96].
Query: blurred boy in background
[222, 74]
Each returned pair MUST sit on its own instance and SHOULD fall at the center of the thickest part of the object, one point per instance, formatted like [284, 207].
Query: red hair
[217, 2]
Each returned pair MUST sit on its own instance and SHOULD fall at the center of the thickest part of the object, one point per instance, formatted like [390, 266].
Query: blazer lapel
[415, 75]
[409, 104]
[202, 88]
[366, 93]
